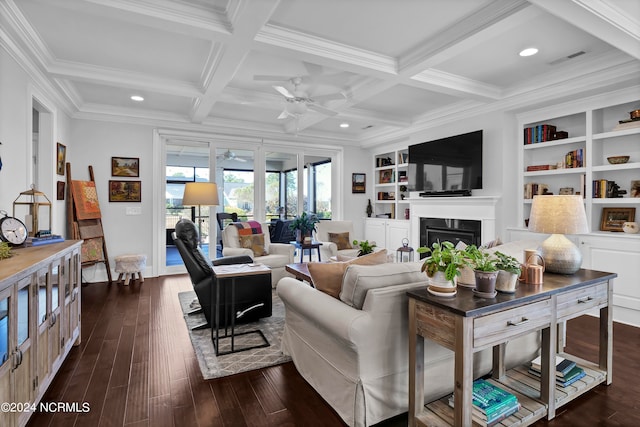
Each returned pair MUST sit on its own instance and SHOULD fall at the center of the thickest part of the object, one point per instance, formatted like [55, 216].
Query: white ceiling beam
[602, 19]
[458, 86]
[165, 15]
[224, 61]
[121, 78]
[471, 31]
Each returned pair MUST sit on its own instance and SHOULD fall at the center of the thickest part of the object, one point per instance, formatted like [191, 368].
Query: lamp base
[561, 255]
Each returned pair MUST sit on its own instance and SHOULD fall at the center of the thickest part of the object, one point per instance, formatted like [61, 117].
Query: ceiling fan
[230, 155]
[298, 101]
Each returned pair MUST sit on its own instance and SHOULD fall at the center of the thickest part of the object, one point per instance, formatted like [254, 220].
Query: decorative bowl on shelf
[618, 160]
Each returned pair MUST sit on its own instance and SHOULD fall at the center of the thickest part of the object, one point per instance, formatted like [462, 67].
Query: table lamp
[199, 194]
[559, 215]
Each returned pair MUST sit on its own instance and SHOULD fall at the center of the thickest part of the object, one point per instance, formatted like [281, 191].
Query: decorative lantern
[34, 200]
[404, 253]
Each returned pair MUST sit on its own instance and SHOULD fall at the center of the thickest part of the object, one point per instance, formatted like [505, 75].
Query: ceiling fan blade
[323, 110]
[284, 91]
[329, 97]
[268, 78]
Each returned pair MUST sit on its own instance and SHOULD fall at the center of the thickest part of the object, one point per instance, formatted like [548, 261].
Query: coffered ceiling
[385, 67]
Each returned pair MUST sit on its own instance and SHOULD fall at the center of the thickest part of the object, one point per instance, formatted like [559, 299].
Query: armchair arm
[282, 249]
[236, 252]
[328, 249]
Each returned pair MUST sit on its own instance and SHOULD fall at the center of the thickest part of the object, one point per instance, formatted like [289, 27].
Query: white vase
[630, 227]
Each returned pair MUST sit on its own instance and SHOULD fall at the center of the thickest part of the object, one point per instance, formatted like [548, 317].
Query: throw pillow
[255, 242]
[327, 276]
[341, 240]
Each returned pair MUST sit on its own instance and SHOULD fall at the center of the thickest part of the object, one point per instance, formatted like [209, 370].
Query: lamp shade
[558, 214]
[200, 194]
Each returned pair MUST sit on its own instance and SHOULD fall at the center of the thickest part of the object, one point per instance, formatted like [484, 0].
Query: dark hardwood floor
[136, 367]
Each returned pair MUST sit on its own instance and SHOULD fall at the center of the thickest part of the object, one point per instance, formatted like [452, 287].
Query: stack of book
[491, 404]
[567, 372]
[44, 240]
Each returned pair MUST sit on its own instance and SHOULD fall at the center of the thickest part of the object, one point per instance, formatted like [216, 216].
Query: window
[238, 193]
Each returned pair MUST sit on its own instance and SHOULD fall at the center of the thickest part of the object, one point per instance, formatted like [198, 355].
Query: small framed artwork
[125, 166]
[60, 190]
[386, 176]
[358, 183]
[566, 190]
[613, 218]
[61, 158]
[635, 188]
[125, 191]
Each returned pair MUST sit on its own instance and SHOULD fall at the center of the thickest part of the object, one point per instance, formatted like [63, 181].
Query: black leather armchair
[251, 291]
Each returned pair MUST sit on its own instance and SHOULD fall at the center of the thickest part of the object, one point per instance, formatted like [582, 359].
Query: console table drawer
[581, 300]
[500, 327]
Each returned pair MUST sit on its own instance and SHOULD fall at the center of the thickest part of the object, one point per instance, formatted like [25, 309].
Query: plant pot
[302, 237]
[486, 282]
[467, 277]
[506, 282]
[440, 286]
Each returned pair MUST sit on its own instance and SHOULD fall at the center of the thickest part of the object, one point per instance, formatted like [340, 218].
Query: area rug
[213, 366]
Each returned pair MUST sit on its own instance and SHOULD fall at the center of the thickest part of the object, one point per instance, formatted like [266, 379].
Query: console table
[466, 324]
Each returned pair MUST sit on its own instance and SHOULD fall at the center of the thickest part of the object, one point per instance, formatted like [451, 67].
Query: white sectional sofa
[354, 350]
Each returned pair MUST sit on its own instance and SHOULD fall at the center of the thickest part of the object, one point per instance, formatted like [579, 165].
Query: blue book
[489, 398]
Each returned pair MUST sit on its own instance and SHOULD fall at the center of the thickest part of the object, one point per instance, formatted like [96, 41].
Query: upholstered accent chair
[334, 235]
[252, 292]
[274, 255]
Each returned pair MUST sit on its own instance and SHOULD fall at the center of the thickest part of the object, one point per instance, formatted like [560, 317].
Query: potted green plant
[304, 225]
[508, 272]
[485, 269]
[365, 246]
[442, 265]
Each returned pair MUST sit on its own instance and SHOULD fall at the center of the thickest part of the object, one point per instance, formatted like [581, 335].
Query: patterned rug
[213, 366]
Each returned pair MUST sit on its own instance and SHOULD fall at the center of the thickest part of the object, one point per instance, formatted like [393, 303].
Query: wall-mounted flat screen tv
[447, 165]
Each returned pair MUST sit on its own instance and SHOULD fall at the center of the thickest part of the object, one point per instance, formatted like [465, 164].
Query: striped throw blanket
[248, 228]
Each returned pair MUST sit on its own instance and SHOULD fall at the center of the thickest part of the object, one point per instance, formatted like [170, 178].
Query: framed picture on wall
[358, 183]
[61, 158]
[125, 191]
[60, 190]
[125, 166]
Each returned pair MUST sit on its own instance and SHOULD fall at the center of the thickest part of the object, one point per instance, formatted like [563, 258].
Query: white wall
[95, 143]
[18, 91]
[356, 160]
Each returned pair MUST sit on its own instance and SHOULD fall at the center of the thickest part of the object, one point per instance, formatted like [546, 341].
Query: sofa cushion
[255, 242]
[358, 279]
[341, 240]
[327, 276]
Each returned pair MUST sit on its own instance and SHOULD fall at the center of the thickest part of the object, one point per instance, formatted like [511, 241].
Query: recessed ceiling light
[137, 98]
[344, 125]
[529, 51]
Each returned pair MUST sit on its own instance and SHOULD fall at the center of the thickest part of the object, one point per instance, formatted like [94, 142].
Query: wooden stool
[129, 265]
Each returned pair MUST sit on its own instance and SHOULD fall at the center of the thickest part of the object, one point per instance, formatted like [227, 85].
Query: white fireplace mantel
[479, 208]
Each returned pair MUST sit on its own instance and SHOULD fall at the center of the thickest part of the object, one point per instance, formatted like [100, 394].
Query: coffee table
[300, 270]
[232, 272]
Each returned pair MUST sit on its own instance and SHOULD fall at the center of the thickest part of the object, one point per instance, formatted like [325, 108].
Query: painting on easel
[85, 197]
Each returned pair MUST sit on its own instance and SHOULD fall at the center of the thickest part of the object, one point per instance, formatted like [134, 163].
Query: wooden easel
[94, 248]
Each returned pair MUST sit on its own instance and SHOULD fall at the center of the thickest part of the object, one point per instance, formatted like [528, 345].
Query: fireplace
[454, 230]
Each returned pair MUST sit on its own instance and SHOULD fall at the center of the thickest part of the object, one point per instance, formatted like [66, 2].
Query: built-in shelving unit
[390, 184]
[594, 134]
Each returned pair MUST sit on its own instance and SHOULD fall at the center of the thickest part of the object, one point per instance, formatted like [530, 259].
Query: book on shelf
[563, 366]
[571, 377]
[496, 413]
[533, 168]
[533, 188]
[627, 124]
[46, 240]
[575, 158]
[539, 133]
